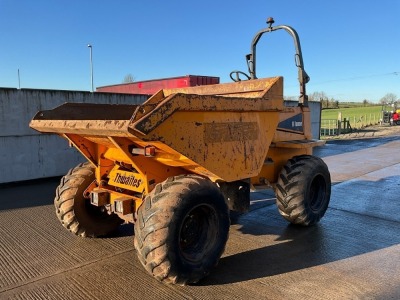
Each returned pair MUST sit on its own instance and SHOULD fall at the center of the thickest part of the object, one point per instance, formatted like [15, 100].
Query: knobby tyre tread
[163, 221]
[75, 212]
[303, 190]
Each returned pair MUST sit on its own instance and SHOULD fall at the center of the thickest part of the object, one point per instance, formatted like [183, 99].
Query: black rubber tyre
[75, 212]
[182, 229]
[303, 190]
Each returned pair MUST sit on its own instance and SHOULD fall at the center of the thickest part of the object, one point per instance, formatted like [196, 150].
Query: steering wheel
[237, 75]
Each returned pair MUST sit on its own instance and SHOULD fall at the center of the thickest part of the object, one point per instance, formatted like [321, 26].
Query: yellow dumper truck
[176, 165]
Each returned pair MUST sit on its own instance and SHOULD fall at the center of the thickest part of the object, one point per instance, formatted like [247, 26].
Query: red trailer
[150, 87]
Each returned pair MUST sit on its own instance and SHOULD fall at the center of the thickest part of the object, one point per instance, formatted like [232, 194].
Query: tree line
[389, 99]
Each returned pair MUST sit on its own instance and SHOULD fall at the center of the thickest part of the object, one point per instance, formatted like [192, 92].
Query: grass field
[351, 113]
[357, 117]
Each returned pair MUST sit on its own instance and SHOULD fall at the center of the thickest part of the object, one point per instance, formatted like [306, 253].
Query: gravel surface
[368, 132]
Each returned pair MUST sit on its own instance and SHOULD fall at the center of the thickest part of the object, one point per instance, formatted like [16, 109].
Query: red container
[150, 87]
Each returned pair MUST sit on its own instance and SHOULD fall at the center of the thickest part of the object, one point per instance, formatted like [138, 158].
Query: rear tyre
[75, 212]
[303, 190]
[181, 229]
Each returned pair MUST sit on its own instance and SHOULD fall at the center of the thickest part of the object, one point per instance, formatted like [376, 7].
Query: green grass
[350, 113]
[358, 116]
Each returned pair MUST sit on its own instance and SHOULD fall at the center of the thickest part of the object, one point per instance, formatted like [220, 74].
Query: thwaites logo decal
[127, 180]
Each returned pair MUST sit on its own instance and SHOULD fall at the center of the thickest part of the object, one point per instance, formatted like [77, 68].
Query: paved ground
[354, 253]
[372, 131]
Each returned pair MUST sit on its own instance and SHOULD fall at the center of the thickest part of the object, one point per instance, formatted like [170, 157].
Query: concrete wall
[27, 154]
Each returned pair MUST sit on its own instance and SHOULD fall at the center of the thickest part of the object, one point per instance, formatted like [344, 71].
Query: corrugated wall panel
[150, 87]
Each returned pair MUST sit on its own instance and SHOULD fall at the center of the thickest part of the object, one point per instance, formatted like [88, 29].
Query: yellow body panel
[226, 132]
[230, 145]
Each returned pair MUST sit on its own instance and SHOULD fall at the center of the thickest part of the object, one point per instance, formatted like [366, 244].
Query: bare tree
[317, 96]
[320, 96]
[389, 98]
[128, 78]
[365, 102]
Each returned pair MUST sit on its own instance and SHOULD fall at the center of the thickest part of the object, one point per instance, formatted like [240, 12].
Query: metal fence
[329, 127]
[335, 127]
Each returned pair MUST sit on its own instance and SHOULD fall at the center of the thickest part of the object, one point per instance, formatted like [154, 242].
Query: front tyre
[303, 190]
[75, 211]
[181, 229]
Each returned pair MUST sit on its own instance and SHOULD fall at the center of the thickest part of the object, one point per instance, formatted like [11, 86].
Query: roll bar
[302, 75]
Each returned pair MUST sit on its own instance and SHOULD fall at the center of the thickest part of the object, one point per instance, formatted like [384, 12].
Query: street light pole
[19, 80]
[91, 65]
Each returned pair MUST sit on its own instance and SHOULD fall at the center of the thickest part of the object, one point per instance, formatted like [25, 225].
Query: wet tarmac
[353, 253]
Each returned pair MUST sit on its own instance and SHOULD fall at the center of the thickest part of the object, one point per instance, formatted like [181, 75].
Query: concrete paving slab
[353, 253]
[375, 194]
[358, 162]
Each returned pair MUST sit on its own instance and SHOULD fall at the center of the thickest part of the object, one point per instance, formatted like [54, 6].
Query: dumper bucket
[85, 118]
[221, 131]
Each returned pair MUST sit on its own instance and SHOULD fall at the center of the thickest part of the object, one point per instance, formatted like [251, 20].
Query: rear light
[123, 206]
[148, 151]
[99, 198]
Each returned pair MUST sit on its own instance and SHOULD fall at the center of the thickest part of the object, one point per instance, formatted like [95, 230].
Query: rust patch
[230, 132]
